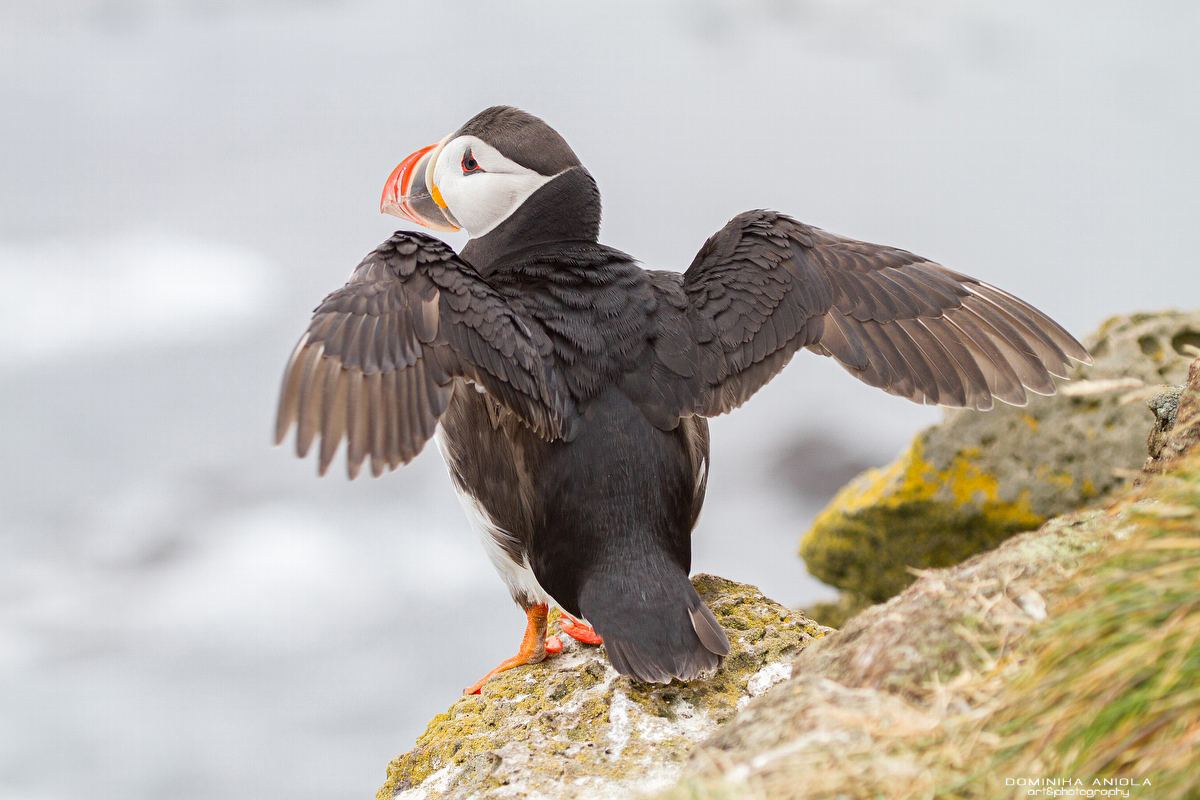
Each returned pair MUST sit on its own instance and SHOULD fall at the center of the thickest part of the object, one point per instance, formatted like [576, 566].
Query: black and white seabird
[568, 388]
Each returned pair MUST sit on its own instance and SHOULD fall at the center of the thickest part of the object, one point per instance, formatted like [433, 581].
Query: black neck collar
[567, 209]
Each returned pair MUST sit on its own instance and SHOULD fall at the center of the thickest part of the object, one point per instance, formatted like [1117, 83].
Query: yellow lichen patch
[1030, 422]
[1057, 478]
[963, 479]
[912, 479]
[912, 514]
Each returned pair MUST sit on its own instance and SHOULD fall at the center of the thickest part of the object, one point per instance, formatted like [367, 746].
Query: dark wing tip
[937, 336]
[289, 393]
[385, 418]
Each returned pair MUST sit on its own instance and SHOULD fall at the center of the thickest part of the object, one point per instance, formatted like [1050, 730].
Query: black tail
[654, 625]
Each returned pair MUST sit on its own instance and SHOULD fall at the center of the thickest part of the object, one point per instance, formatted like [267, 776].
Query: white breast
[497, 542]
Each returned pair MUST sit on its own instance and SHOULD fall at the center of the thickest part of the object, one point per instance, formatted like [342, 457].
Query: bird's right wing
[766, 285]
[378, 363]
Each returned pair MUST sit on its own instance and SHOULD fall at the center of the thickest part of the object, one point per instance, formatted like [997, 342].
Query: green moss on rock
[571, 727]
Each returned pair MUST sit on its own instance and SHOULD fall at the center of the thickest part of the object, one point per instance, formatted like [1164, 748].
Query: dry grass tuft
[1110, 686]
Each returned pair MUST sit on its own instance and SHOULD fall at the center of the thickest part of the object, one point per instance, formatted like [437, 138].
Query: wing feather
[877, 372]
[766, 285]
[312, 384]
[333, 417]
[1050, 341]
[1021, 355]
[356, 423]
[948, 385]
[289, 395]
[975, 392]
[1002, 379]
[376, 420]
[378, 363]
[925, 381]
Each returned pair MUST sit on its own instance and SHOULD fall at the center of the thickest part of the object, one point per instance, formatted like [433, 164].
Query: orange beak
[410, 192]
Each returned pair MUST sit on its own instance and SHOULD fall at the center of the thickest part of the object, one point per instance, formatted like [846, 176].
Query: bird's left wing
[378, 363]
[766, 285]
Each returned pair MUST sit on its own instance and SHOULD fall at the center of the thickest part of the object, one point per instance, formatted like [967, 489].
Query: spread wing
[378, 363]
[766, 285]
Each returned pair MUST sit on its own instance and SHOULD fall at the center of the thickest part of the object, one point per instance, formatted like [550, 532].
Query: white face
[480, 186]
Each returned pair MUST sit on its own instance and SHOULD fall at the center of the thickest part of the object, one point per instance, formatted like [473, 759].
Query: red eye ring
[469, 164]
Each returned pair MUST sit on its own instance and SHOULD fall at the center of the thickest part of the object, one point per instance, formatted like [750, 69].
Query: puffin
[568, 388]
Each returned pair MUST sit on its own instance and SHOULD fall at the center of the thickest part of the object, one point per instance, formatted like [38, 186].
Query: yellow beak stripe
[437, 196]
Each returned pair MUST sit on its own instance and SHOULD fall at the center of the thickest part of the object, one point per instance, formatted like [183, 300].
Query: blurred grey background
[188, 613]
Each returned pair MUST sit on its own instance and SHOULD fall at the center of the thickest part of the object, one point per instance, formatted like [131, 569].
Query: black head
[523, 138]
[504, 176]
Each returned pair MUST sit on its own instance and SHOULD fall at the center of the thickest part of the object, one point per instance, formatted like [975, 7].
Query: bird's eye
[469, 164]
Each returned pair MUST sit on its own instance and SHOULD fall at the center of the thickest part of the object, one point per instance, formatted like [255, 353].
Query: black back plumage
[766, 285]
[588, 449]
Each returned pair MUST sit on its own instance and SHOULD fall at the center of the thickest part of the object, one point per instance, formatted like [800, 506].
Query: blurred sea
[186, 612]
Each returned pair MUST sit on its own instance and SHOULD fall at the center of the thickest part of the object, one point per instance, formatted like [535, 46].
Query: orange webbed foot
[577, 630]
[535, 647]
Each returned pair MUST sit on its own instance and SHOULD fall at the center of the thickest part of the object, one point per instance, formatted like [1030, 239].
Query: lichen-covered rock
[571, 727]
[979, 477]
[864, 701]
[1067, 651]
[1165, 407]
[932, 630]
[1176, 422]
